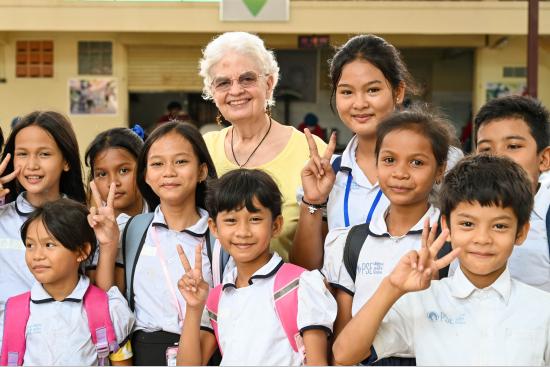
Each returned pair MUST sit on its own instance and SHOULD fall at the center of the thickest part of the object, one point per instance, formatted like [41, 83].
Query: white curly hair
[242, 43]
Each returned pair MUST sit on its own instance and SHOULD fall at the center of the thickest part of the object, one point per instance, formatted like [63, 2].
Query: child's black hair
[377, 51]
[237, 189]
[193, 136]
[118, 137]
[65, 220]
[525, 108]
[60, 129]
[490, 181]
[431, 125]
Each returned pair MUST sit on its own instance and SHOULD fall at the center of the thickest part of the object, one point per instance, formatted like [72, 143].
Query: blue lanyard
[346, 198]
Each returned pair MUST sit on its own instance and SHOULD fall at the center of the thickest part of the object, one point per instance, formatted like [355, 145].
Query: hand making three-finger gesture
[415, 269]
[317, 175]
[192, 286]
[102, 218]
[7, 178]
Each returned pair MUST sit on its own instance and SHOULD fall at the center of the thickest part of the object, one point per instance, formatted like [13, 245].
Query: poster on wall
[500, 89]
[93, 96]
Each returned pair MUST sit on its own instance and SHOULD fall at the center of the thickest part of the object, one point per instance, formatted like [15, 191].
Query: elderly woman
[240, 75]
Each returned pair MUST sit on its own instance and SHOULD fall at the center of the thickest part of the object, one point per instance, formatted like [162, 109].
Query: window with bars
[34, 59]
[95, 58]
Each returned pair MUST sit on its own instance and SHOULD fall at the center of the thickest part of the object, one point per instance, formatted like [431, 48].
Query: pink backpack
[17, 312]
[285, 295]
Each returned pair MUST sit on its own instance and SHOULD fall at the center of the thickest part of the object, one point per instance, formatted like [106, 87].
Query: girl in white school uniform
[42, 160]
[173, 168]
[369, 82]
[411, 152]
[112, 157]
[244, 316]
[58, 240]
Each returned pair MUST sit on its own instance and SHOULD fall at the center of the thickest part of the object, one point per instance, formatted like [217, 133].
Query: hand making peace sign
[102, 217]
[7, 178]
[317, 175]
[415, 269]
[192, 286]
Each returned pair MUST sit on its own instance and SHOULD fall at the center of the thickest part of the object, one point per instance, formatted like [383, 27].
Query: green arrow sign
[254, 6]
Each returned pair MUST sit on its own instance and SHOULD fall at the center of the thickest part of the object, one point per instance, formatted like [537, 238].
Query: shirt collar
[542, 199]
[349, 163]
[461, 287]
[22, 205]
[40, 295]
[265, 272]
[379, 228]
[198, 229]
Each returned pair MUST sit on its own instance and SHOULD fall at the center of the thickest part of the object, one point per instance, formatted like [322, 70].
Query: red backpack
[17, 312]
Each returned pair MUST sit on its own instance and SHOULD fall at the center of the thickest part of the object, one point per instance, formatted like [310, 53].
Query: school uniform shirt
[530, 262]
[454, 323]
[57, 332]
[15, 276]
[249, 330]
[362, 192]
[158, 303]
[121, 220]
[379, 255]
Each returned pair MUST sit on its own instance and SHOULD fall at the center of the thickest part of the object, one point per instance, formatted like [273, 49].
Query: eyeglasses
[245, 80]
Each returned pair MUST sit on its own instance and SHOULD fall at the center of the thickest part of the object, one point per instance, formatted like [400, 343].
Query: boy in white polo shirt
[480, 315]
[244, 316]
[518, 128]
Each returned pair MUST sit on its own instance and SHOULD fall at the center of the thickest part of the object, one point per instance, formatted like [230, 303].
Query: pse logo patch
[438, 316]
[370, 268]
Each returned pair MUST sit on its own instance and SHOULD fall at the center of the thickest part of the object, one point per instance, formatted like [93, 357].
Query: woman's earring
[268, 111]
[219, 118]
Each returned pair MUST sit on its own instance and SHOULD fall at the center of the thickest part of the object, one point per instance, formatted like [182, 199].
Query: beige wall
[343, 17]
[490, 61]
[19, 96]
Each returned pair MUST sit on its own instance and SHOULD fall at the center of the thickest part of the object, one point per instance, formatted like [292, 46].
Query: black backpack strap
[133, 238]
[336, 163]
[447, 248]
[354, 242]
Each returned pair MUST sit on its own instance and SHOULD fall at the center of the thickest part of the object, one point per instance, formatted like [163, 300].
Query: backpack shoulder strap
[212, 304]
[218, 257]
[548, 228]
[352, 248]
[96, 304]
[336, 163]
[133, 238]
[16, 316]
[285, 295]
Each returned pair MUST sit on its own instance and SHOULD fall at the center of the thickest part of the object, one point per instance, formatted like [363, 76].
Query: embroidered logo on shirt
[370, 268]
[34, 329]
[436, 316]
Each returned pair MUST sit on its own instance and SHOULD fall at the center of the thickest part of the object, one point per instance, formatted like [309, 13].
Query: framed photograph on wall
[93, 96]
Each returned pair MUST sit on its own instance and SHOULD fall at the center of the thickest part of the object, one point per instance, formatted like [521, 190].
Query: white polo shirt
[379, 255]
[57, 332]
[249, 330]
[156, 294]
[361, 194]
[454, 323]
[530, 262]
[15, 276]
